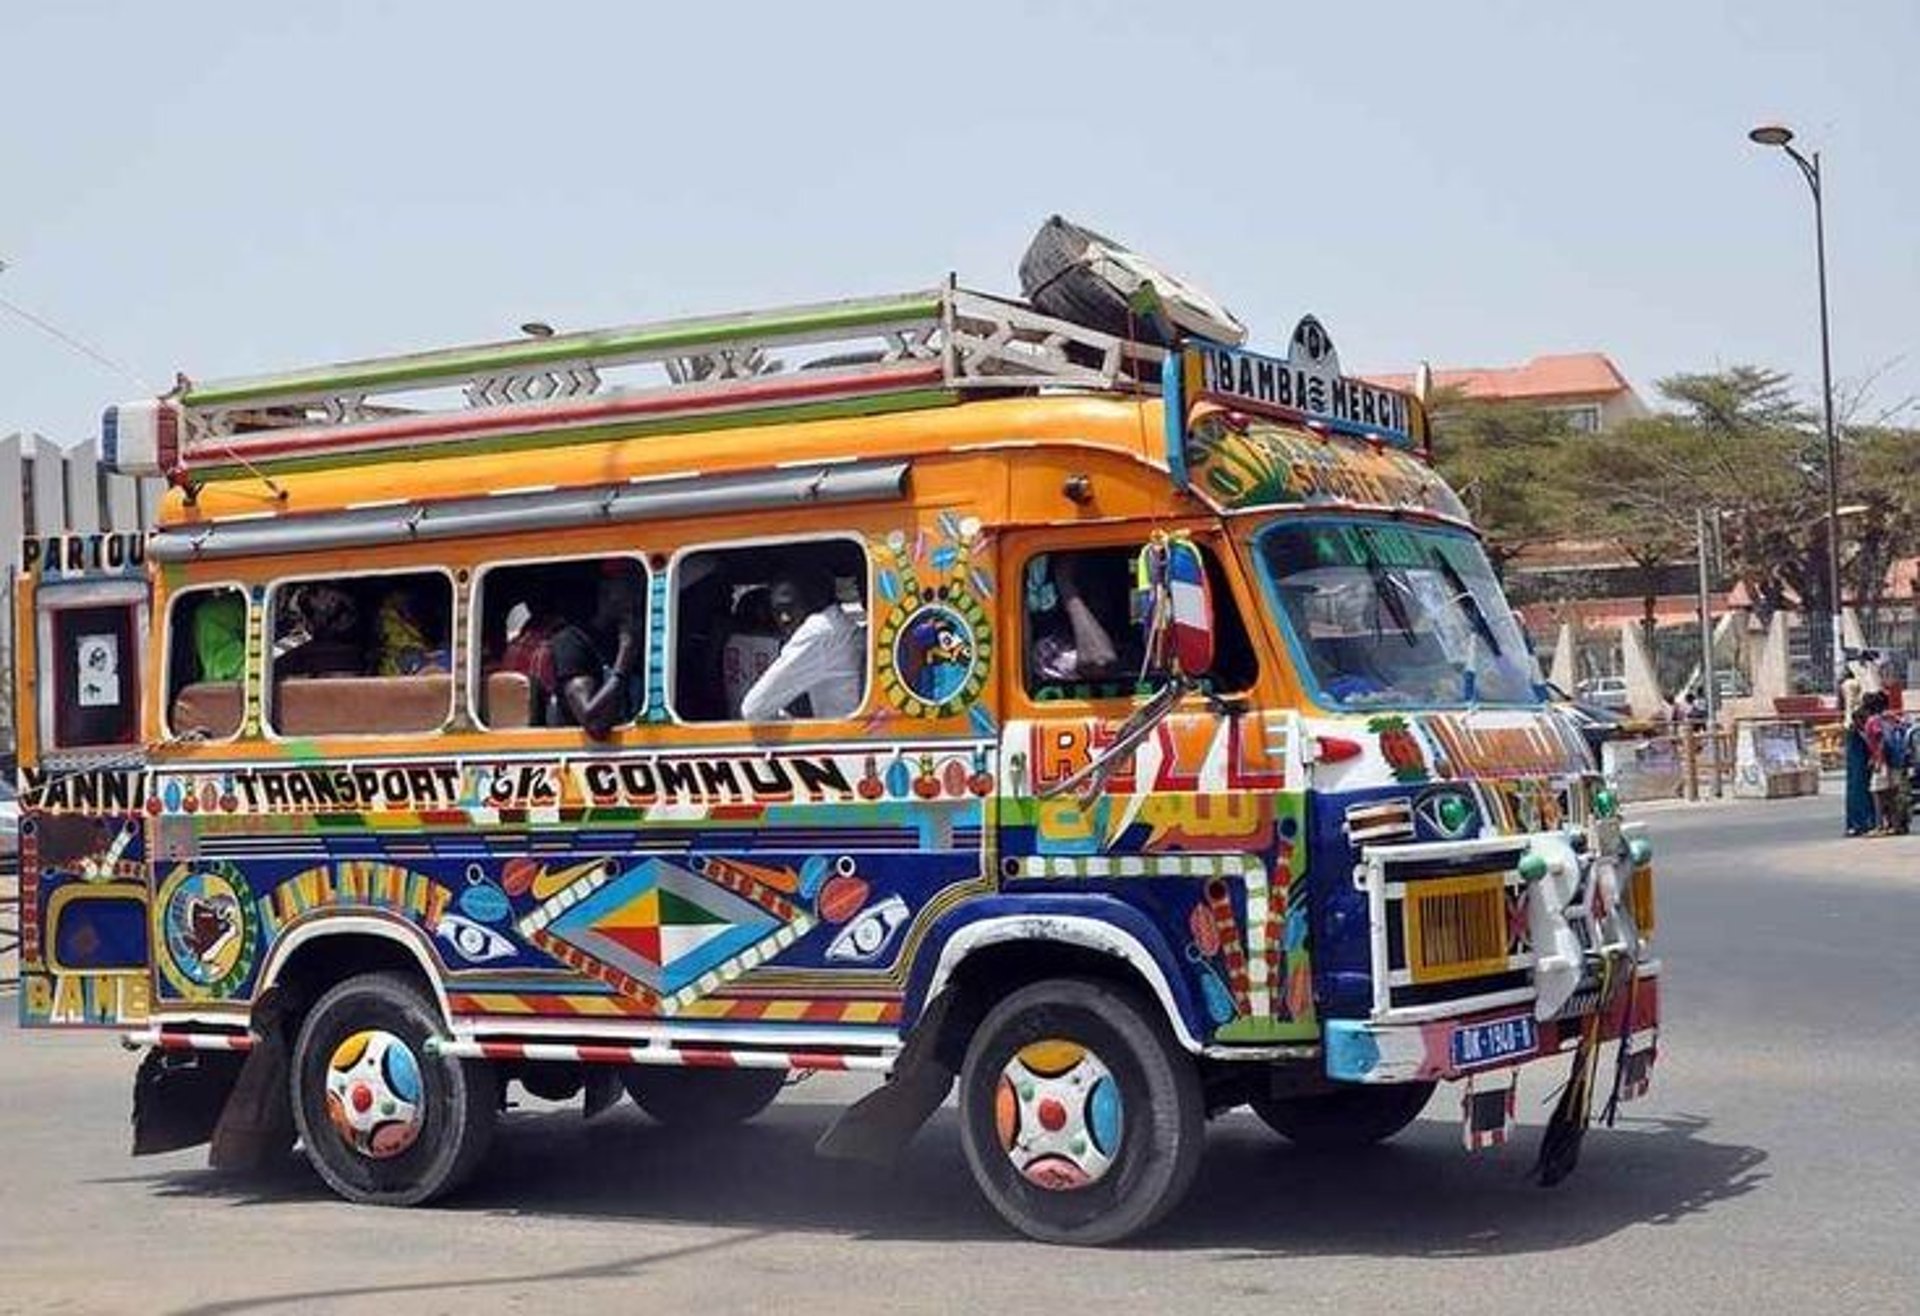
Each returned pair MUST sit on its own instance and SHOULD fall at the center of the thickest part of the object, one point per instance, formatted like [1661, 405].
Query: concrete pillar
[1564, 666]
[83, 487]
[1771, 669]
[1643, 686]
[49, 488]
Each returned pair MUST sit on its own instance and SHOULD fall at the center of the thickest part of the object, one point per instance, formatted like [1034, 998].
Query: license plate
[1478, 1045]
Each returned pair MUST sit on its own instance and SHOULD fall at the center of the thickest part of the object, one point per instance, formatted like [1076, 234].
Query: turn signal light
[1640, 898]
[1335, 749]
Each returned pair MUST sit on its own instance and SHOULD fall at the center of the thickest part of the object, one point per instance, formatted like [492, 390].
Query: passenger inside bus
[593, 667]
[357, 655]
[770, 631]
[325, 639]
[408, 642]
[1081, 638]
[1069, 640]
[751, 644]
[1076, 604]
[207, 656]
[219, 635]
[820, 670]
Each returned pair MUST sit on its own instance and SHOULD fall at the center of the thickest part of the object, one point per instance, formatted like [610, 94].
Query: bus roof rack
[910, 350]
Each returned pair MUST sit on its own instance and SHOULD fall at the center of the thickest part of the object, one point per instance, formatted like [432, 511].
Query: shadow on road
[1256, 1196]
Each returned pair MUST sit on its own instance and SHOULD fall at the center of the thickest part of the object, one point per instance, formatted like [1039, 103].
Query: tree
[1506, 463]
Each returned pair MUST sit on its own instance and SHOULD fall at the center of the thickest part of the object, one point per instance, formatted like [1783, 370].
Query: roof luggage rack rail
[875, 354]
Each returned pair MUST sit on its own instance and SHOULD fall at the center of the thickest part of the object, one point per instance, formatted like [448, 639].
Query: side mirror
[1173, 606]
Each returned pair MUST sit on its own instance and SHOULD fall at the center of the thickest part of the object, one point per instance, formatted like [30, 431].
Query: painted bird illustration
[209, 923]
[937, 655]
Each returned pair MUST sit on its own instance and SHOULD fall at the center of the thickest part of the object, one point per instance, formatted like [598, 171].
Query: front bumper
[1365, 1051]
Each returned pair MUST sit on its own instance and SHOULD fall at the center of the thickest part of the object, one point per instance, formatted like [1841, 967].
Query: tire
[1358, 1115]
[361, 1055]
[1089, 1072]
[1069, 272]
[698, 1099]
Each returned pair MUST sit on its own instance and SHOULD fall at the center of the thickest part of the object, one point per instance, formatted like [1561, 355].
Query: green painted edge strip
[464, 361]
[918, 400]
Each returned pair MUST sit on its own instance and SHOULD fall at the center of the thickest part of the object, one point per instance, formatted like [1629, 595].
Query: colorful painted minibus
[1103, 734]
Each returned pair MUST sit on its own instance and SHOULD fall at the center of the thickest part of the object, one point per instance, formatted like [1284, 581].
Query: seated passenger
[593, 667]
[752, 643]
[405, 647]
[527, 650]
[330, 620]
[1069, 643]
[220, 636]
[822, 659]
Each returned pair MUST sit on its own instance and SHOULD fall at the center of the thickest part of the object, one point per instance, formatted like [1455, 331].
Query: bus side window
[550, 624]
[1235, 668]
[361, 654]
[206, 651]
[770, 632]
[1081, 641]
[96, 676]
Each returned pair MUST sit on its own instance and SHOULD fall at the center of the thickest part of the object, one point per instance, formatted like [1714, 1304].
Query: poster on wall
[99, 656]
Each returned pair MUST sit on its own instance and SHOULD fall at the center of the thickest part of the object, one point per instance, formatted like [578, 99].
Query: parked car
[1608, 692]
[1597, 722]
[9, 819]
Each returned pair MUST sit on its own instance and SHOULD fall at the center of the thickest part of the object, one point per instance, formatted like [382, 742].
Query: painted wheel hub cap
[374, 1095]
[1057, 1111]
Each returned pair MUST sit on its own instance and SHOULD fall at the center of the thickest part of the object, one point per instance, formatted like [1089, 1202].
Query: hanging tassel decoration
[1567, 1126]
[1612, 1107]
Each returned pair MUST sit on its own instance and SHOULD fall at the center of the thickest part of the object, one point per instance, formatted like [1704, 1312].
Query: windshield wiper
[1387, 590]
[1465, 598]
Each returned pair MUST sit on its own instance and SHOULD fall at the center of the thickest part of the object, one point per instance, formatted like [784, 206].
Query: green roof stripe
[454, 363]
[878, 404]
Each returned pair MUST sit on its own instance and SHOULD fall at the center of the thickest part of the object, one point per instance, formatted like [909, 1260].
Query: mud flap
[878, 1127]
[1487, 1108]
[600, 1090]
[256, 1127]
[178, 1098]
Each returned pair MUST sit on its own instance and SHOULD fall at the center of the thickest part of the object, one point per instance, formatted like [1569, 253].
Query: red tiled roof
[1567, 375]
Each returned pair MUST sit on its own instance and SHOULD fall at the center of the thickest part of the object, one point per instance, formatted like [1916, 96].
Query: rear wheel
[383, 1120]
[1081, 1118]
[702, 1098]
[1354, 1116]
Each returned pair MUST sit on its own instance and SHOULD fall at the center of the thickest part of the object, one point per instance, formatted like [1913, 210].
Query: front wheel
[383, 1120]
[1355, 1116]
[701, 1099]
[1081, 1118]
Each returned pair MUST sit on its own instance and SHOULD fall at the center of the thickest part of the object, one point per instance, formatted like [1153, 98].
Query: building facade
[1584, 387]
[47, 489]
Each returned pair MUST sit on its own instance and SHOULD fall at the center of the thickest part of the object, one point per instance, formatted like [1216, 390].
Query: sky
[226, 189]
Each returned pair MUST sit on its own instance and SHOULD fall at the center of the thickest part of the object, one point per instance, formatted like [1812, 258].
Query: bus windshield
[1395, 616]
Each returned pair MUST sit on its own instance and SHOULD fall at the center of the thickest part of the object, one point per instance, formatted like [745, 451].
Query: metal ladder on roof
[946, 340]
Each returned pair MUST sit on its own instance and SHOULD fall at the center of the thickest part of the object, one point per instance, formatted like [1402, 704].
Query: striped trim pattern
[168, 1041]
[1380, 820]
[775, 1010]
[1239, 867]
[683, 1057]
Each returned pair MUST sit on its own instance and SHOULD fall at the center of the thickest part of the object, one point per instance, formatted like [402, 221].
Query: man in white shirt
[823, 655]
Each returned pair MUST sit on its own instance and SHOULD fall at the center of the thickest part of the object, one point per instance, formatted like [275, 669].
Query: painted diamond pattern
[657, 923]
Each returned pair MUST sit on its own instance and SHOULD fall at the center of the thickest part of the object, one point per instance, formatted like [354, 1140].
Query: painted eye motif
[472, 942]
[869, 934]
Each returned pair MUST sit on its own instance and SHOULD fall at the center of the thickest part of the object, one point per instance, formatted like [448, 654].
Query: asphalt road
[1773, 1168]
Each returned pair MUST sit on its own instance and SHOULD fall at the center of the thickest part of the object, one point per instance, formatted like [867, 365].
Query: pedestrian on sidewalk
[1853, 724]
[1889, 749]
[1878, 734]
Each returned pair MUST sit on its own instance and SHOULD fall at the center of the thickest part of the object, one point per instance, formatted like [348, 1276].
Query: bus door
[1188, 810]
[81, 630]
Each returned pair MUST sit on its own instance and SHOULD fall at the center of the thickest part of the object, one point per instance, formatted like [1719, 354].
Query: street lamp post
[1773, 134]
